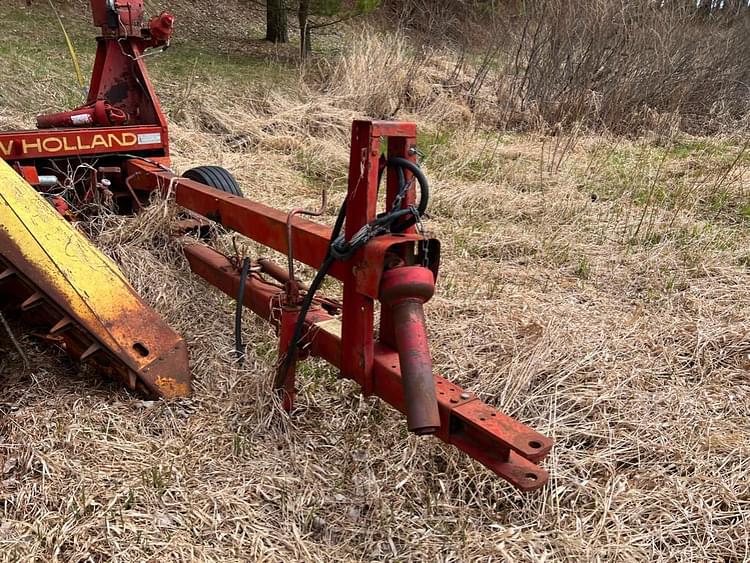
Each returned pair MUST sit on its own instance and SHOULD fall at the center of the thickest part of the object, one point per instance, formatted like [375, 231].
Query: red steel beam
[252, 219]
[267, 225]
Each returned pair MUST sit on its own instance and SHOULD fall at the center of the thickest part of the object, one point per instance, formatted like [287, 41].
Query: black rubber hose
[312, 290]
[424, 188]
[239, 348]
[398, 163]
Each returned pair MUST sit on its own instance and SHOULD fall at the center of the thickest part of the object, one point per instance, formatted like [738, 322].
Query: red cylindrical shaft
[416, 365]
[98, 113]
[274, 270]
[405, 290]
[76, 118]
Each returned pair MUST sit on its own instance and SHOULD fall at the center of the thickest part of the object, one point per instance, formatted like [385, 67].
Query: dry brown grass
[617, 326]
[626, 66]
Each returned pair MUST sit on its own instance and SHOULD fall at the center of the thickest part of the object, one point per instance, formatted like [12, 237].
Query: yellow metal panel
[67, 268]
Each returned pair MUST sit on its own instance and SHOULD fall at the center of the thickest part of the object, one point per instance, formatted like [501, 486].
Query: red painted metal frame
[268, 226]
[507, 447]
[504, 445]
[120, 79]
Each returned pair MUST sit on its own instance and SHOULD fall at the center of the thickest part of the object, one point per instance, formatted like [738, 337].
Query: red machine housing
[121, 114]
[395, 271]
[111, 14]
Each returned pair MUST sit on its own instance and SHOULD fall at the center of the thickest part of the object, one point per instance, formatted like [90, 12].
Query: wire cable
[71, 49]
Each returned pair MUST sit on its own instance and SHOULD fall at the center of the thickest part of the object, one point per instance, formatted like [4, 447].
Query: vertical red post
[285, 376]
[358, 310]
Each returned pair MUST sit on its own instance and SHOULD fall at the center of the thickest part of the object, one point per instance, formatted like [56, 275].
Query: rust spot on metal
[60, 283]
[171, 388]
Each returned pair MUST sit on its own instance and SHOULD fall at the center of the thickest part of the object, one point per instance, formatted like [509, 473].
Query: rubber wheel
[216, 177]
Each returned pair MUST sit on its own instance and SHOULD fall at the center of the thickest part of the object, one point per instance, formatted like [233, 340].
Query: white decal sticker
[149, 138]
[80, 119]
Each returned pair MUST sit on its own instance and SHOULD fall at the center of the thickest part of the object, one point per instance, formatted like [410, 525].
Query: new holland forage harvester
[117, 145]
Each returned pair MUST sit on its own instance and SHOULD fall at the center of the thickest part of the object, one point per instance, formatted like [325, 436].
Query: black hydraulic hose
[239, 348]
[312, 290]
[400, 164]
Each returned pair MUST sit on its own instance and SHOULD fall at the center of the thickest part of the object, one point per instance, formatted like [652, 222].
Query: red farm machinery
[55, 281]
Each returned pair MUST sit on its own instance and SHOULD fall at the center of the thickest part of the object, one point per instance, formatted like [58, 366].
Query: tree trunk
[276, 25]
[303, 14]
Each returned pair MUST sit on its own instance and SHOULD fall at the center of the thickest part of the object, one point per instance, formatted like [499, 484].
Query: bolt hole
[439, 382]
[453, 388]
[442, 393]
[534, 444]
[482, 418]
[531, 476]
[493, 414]
[394, 367]
[141, 349]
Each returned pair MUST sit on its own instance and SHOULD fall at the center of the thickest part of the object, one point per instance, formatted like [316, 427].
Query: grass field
[594, 287]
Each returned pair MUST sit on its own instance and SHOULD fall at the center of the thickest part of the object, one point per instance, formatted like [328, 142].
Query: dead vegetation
[622, 67]
[594, 287]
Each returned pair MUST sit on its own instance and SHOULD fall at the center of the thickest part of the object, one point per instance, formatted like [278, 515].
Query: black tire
[216, 177]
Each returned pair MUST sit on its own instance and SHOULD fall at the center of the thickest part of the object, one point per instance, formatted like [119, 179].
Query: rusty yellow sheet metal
[81, 281]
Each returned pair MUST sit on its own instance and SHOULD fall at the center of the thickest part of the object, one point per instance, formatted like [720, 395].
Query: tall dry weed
[624, 67]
